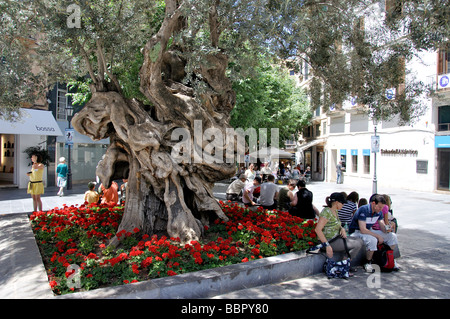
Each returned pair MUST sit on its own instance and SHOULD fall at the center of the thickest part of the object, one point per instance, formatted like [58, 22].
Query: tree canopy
[43, 36]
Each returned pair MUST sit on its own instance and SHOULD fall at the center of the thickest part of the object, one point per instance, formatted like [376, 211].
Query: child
[91, 196]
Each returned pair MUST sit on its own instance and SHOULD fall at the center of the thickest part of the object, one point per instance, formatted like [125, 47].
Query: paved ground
[424, 237]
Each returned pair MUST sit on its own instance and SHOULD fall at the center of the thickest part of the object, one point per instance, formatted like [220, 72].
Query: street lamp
[375, 149]
[69, 113]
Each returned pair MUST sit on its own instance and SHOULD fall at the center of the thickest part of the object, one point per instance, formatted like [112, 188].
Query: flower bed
[73, 243]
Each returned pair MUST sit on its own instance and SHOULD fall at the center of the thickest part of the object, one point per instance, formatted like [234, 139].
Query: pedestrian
[269, 193]
[91, 196]
[235, 188]
[330, 232]
[363, 220]
[302, 203]
[296, 173]
[339, 173]
[61, 171]
[36, 184]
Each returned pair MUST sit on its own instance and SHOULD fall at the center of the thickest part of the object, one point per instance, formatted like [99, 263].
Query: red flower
[53, 284]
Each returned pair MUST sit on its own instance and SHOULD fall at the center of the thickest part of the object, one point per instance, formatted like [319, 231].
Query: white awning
[32, 122]
[270, 152]
[303, 147]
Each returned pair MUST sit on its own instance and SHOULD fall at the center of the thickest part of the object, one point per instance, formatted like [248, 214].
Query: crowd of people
[282, 171]
[345, 224]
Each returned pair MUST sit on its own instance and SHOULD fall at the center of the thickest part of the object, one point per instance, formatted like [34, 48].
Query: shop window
[444, 118]
[366, 161]
[354, 161]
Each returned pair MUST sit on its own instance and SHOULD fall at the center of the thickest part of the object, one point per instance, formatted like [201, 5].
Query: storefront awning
[442, 141]
[32, 122]
[303, 147]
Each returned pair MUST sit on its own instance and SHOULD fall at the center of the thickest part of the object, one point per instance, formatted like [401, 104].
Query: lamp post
[69, 139]
[375, 149]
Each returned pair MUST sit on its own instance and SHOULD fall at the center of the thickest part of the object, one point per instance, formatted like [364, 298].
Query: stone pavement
[424, 237]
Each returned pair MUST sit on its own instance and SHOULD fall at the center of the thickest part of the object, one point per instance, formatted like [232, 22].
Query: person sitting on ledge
[235, 188]
[361, 226]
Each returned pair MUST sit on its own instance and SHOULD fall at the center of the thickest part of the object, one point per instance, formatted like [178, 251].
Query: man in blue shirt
[361, 226]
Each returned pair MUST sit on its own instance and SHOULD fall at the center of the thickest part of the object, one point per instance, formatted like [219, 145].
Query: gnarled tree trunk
[164, 194]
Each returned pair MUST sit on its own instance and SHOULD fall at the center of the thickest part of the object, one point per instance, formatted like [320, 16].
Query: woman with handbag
[36, 185]
[330, 232]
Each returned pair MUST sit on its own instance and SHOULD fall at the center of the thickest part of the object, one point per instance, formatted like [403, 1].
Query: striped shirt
[346, 212]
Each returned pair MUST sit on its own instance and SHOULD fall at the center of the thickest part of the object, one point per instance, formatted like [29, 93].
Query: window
[444, 118]
[366, 159]
[61, 104]
[443, 61]
[354, 161]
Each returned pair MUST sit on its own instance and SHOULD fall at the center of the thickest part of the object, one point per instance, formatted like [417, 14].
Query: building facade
[414, 156]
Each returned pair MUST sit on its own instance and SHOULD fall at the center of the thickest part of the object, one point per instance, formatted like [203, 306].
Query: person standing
[339, 173]
[61, 171]
[36, 185]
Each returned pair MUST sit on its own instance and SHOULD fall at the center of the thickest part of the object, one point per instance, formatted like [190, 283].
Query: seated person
[235, 188]
[250, 187]
[330, 232]
[91, 196]
[286, 195]
[269, 193]
[302, 203]
[110, 195]
[363, 220]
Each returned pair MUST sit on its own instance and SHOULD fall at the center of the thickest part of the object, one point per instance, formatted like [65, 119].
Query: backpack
[384, 257]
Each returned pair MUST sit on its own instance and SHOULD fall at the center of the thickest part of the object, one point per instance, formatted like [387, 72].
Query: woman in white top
[250, 173]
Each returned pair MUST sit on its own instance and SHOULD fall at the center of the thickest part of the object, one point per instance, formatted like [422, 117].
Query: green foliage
[270, 99]
[350, 57]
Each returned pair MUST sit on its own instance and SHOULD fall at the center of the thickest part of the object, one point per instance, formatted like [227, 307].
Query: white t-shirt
[268, 191]
[250, 188]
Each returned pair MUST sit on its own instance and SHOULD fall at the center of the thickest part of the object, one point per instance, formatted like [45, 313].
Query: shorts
[371, 241]
[61, 181]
